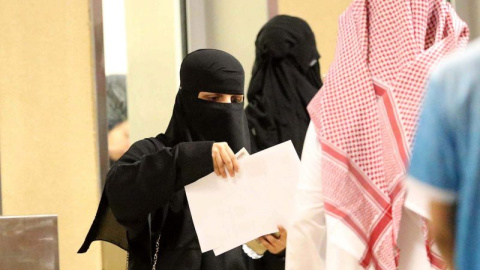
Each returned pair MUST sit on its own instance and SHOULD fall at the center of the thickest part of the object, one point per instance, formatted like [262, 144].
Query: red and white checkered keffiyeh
[367, 111]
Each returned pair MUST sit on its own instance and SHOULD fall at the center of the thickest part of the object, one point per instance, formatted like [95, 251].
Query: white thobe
[312, 242]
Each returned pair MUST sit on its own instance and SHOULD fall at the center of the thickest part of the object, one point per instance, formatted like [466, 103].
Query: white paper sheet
[230, 212]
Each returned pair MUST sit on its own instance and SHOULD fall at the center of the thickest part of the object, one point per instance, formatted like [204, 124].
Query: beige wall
[48, 119]
[469, 11]
[154, 57]
[233, 25]
[322, 15]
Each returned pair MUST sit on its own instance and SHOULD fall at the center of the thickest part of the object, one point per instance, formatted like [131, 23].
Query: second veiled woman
[285, 77]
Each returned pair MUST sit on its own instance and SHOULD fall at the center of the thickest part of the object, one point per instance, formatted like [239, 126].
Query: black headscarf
[285, 77]
[195, 119]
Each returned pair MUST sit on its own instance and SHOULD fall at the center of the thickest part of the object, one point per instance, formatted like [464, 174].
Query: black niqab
[195, 119]
[285, 77]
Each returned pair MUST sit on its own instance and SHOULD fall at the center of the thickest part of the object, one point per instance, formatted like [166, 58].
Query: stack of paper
[230, 212]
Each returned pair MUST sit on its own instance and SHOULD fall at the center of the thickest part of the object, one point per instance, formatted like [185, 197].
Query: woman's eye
[237, 100]
[213, 98]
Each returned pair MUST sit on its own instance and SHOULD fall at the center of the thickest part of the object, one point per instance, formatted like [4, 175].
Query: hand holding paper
[232, 211]
[223, 158]
[275, 242]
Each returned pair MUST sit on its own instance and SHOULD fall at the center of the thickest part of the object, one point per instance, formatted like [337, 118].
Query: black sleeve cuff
[274, 261]
[194, 161]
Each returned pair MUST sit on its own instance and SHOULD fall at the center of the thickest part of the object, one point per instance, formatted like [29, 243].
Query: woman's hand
[223, 156]
[275, 245]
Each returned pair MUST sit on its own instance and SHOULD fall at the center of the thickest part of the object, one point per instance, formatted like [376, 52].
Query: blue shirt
[446, 155]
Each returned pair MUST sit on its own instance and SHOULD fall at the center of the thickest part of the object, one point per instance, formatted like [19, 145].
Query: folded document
[230, 212]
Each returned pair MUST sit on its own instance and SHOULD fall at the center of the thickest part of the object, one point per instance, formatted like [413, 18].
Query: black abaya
[144, 195]
[285, 77]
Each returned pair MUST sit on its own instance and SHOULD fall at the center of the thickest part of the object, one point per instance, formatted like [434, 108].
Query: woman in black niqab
[144, 196]
[195, 119]
[285, 77]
